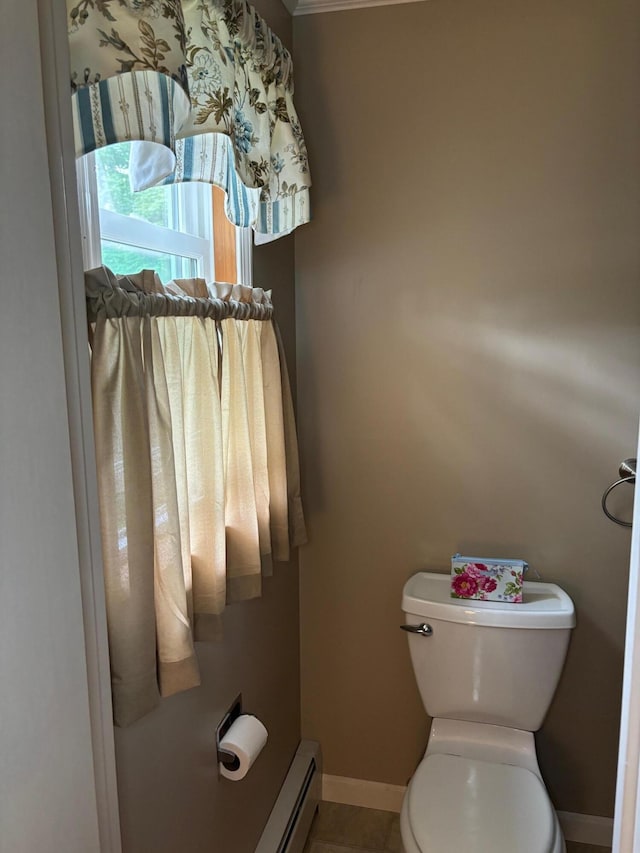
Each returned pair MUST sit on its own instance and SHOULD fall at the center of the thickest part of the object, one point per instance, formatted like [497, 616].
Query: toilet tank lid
[544, 605]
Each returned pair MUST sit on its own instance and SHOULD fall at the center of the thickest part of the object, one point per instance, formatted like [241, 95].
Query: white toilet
[487, 672]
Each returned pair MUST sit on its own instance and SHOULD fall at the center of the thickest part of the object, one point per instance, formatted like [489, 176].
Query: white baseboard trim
[361, 792]
[583, 828]
[587, 828]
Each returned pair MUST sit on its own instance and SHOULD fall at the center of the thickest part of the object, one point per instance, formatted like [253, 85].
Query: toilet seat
[460, 804]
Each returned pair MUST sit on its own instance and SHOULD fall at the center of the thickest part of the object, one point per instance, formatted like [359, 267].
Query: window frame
[226, 256]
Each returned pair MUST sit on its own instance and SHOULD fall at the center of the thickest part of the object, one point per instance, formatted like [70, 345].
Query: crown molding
[312, 7]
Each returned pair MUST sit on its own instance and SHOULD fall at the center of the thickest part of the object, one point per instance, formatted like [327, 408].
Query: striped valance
[203, 89]
[144, 295]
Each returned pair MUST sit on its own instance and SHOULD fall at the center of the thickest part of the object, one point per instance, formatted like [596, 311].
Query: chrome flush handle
[424, 630]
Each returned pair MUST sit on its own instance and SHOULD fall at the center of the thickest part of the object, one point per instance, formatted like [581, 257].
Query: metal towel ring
[627, 472]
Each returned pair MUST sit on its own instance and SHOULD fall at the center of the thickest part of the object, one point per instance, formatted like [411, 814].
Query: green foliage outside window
[153, 205]
[123, 260]
[112, 169]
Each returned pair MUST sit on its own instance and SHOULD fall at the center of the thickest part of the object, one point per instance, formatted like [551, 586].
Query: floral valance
[204, 91]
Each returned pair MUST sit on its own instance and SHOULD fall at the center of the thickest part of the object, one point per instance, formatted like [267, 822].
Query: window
[178, 230]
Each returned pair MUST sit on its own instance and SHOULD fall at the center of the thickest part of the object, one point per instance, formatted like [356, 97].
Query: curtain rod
[143, 295]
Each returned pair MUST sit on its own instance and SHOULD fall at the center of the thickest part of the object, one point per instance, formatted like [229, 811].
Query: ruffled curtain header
[144, 295]
[204, 90]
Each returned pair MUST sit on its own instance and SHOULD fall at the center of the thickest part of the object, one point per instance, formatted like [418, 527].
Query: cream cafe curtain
[204, 91]
[197, 468]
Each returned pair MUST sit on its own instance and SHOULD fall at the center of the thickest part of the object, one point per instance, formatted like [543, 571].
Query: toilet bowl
[487, 672]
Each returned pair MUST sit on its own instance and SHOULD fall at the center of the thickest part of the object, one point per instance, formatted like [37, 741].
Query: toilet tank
[487, 661]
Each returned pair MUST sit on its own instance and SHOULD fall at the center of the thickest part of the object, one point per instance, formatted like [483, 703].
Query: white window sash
[89, 217]
[129, 231]
[101, 224]
[244, 255]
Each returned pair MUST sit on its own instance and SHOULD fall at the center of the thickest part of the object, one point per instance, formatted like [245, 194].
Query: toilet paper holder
[229, 759]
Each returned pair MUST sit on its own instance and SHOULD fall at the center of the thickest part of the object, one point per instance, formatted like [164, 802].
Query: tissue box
[486, 579]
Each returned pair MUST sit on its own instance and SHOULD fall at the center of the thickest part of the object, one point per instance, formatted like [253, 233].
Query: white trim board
[587, 828]
[310, 7]
[583, 828]
[627, 814]
[361, 792]
[62, 166]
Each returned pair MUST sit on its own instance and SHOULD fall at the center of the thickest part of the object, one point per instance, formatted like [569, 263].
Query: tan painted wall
[171, 798]
[468, 347]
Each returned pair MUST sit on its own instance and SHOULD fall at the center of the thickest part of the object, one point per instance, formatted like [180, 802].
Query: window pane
[182, 207]
[123, 260]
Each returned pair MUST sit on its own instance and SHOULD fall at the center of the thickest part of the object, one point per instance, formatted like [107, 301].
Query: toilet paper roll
[245, 739]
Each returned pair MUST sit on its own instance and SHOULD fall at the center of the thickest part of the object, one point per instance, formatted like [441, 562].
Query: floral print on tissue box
[487, 579]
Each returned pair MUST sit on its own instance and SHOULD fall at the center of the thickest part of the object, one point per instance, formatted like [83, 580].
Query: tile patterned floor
[347, 829]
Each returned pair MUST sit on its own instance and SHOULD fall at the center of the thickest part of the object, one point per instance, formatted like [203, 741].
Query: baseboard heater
[290, 819]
